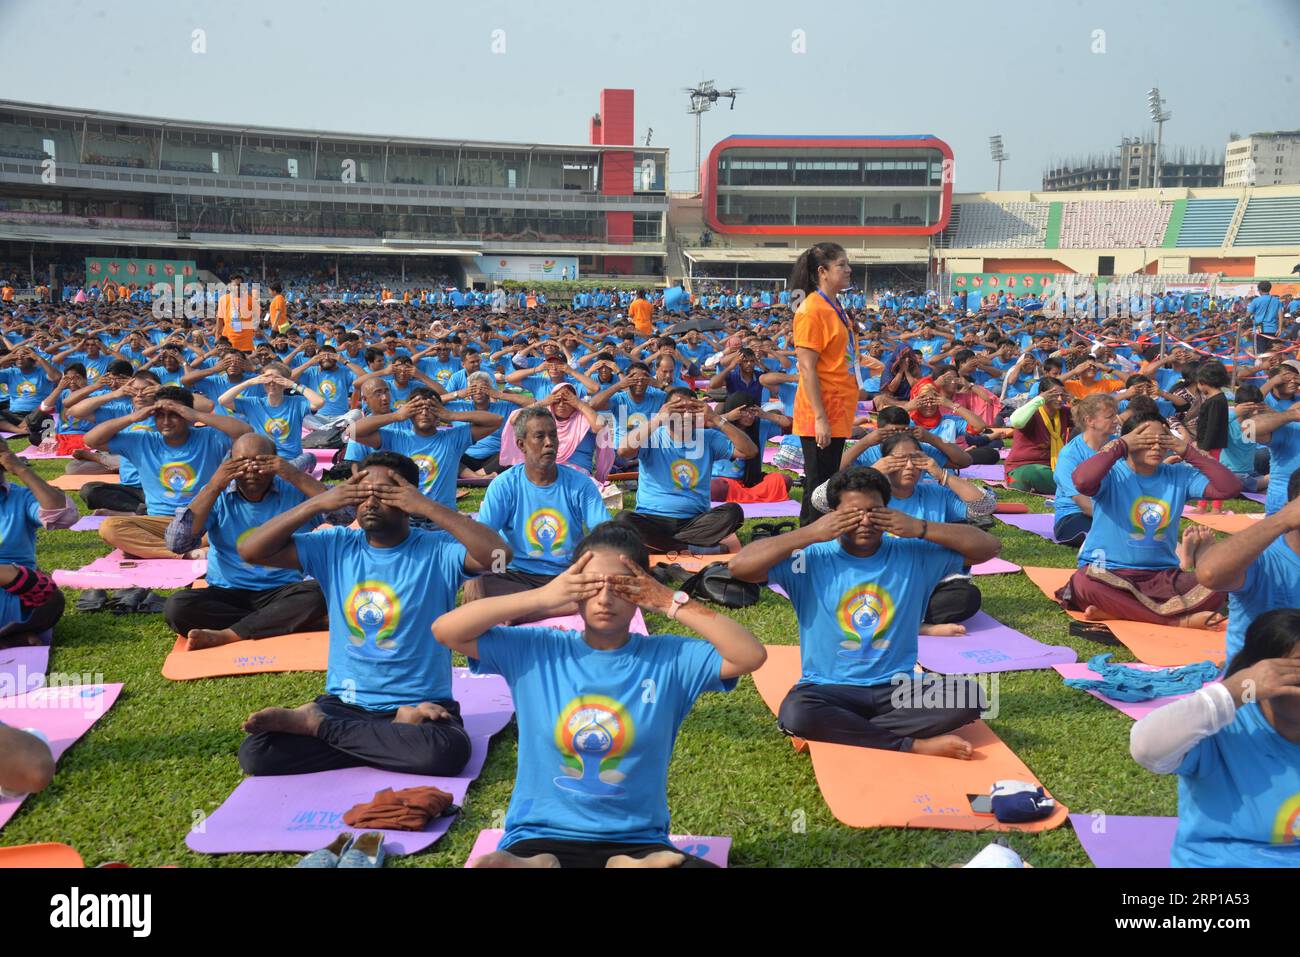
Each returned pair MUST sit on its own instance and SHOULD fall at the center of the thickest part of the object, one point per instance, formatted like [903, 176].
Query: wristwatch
[679, 598]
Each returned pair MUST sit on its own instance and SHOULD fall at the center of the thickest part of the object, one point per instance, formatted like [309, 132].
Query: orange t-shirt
[1078, 388]
[241, 339]
[818, 327]
[9, 294]
[275, 313]
[641, 313]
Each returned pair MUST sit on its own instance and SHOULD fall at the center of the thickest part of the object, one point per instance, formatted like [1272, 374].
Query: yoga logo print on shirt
[428, 466]
[635, 420]
[1286, 827]
[277, 429]
[545, 530]
[865, 611]
[685, 474]
[328, 389]
[372, 611]
[593, 733]
[1150, 517]
[177, 477]
[26, 388]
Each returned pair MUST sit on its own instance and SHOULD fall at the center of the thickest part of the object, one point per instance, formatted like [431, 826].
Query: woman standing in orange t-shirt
[825, 343]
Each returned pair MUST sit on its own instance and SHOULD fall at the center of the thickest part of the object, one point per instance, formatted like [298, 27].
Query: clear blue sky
[960, 70]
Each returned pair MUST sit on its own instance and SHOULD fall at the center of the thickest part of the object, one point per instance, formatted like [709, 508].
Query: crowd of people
[208, 434]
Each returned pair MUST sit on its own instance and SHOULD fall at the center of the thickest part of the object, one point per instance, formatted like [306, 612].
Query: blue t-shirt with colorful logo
[673, 479]
[1239, 798]
[1074, 453]
[1271, 581]
[231, 519]
[859, 618]
[542, 523]
[20, 517]
[381, 602]
[171, 475]
[1135, 517]
[437, 455]
[335, 386]
[25, 390]
[1284, 452]
[596, 729]
[282, 423]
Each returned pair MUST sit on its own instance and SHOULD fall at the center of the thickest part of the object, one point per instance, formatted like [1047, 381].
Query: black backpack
[715, 583]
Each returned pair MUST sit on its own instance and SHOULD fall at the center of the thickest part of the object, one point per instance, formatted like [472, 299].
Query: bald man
[244, 601]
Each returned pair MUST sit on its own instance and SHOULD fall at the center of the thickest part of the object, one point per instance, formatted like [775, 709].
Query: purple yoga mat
[115, 570]
[1134, 709]
[987, 473]
[787, 509]
[1114, 840]
[712, 849]
[1036, 523]
[23, 669]
[1255, 497]
[994, 566]
[769, 453]
[303, 812]
[62, 714]
[88, 523]
[988, 645]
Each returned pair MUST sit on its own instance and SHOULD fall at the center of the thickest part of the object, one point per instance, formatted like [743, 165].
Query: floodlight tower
[999, 157]
[703, 97]
[1156, 107]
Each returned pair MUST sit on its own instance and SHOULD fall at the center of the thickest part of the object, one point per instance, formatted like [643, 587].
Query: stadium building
[78, 183]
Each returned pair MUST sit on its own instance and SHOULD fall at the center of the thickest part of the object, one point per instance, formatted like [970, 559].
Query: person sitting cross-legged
[388, 699]
[859, 596]
[30, 602]
[241, 601]
[599, 710]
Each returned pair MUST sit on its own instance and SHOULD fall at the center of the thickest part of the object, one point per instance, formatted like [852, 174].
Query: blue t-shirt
[437, 370]
[673, 480]
[20, 517]
[735, 468]
[859, 617]
[596, 729]
[542, 524]
[437, 455]
[215, 386]
[67, 424]
[282, 423]
[335, 386]
[1263, 311]
[1239, 798]
[381, 602]
[932, 502]
[1284, 455]
[1271, 581]
[1135, 517]
[26, 390]
[630, 414]
[171, 475]
[1073, 454]
[231, 519]
[489, 445]
[1239, 455]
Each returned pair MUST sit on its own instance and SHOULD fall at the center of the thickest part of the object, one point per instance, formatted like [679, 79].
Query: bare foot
[658, 859]
[1093, 613]
[199, 638]
[1194, 539]
[506, 859]
[1207, 620]
[86, 455]
[944, 746]
[111, 512]
[420, 713]
[305, 719]
[943, 631]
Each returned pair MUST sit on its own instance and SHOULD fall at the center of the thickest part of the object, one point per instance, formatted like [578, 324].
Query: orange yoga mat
[1162, 645]
[866, 787]
[308, 651]
[40, 855]
[73, 483]
[689, 562]
[1225, 523]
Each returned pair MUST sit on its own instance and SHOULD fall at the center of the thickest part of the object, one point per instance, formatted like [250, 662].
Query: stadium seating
[1273, 221]
[1006, 225]
[1096, 225]
[1206, 222]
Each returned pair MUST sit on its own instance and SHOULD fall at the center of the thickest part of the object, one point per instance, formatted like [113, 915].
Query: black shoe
[128, 600]
[94, 599]
[150, 604]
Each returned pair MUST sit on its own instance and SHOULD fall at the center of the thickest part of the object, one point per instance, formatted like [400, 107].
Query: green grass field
[165, 753]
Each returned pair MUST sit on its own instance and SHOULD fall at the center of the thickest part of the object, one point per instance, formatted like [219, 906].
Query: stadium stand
[1087, 225]
[1206, 222]
[1270, 221]
[994, 225]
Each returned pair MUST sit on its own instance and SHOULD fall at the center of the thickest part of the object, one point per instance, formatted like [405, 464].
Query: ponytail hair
[810, 261]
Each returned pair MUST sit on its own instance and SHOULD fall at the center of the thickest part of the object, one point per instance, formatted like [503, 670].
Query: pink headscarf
[571, 432]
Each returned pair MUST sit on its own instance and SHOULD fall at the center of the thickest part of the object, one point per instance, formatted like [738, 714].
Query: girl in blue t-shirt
[1235, 747]
[598, 709]
[278, 415]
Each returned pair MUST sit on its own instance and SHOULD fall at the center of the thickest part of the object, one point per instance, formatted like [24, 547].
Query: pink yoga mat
[575, 623]
[712, 849]
[23, 669]
[303, 812]
[1114, 840]
[1134, 709]
[63, 714]
[115, 570]
[88, 523]
[787, 509]
[988, 645]
[994, 566]
[1036, 523]
[33, 452]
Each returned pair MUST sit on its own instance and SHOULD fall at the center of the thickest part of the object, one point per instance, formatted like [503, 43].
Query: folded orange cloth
[771, 489]
[409, 809]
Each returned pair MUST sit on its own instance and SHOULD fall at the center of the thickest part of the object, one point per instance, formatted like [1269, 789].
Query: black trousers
[953, 601]
[491, 463]
[351, 737]
[818, 466]
[984, 455]
[663, 534]
[249, 613]
[886, 716]
[596, 853]
[42, 618]
[117, 498]
[1072, 529]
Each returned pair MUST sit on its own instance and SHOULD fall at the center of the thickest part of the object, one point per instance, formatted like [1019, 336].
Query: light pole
[702, 99]
[1156, 107]
[999, 157]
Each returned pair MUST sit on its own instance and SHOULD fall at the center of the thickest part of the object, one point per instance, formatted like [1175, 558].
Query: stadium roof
[100, 116]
